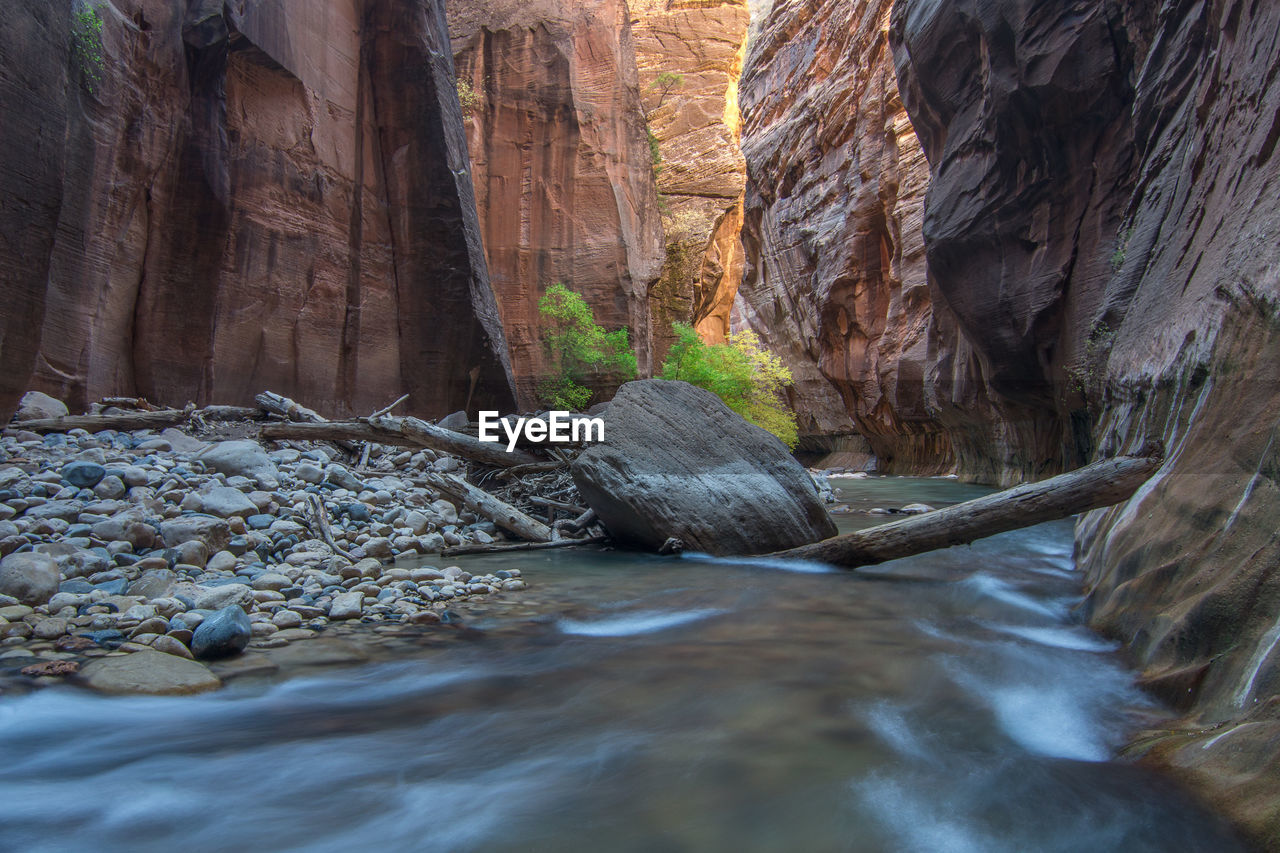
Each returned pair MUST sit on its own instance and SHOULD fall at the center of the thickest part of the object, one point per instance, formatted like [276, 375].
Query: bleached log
[100, 423]
[498, 511]
[404, 432]
[1100, 484]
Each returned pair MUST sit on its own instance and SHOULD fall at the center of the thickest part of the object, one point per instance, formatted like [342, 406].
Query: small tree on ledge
[578, 348]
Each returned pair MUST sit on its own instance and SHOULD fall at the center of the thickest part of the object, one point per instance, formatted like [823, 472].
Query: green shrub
[468, 97]
[578, 348]
[741, 372]
[86, 45]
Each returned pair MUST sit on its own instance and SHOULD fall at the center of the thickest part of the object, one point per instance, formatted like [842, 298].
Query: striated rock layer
[690, 55]
[836, 280]
[1101, 227]
[248, 196]
[561, 164]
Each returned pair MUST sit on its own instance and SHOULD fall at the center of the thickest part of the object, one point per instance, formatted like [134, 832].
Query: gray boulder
[30, 578]
[148, 671]
[244, 458]
[36, 405]
[225, 502]
[222, 634]
[457, 421]
[83, 474]
[221, 597]
[211, 532]
[677, 462]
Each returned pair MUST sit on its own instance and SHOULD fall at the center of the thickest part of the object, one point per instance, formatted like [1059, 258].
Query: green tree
[86, 45]
[578, 348]
[664, 83]
[749, 378]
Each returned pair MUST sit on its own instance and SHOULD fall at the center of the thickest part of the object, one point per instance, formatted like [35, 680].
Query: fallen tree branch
[403, 432]
[459, 550]
[230, 413]
[100, 423]
[278, 404]
[387, 410]
[499, 512]
[560, 505]
[1101, 484]
[321, 517]
[533, 468]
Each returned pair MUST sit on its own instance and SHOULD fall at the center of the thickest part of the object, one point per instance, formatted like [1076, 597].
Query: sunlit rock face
[836, 279]
[561, 166]
[690, 55]
[267, 195]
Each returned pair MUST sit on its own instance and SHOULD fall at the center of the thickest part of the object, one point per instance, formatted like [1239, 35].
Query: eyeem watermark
[558, 428]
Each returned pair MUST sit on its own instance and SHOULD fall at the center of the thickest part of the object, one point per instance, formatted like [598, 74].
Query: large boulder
[243, 458]
[30, 578]
[36, 405]
[677, 462]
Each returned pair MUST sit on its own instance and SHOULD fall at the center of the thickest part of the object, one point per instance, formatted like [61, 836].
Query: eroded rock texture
[690, 54]
[1023, 111]
[561, 165]
[1102, 220]
[34, 43]
[836, 280]
[263, 195]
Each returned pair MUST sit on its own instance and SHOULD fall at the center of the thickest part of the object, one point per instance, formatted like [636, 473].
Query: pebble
[154, 554]
[346, 606]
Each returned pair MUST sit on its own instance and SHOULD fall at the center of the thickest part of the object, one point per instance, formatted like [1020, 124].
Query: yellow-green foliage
[577, 348]
[468, 97]
[741, 372]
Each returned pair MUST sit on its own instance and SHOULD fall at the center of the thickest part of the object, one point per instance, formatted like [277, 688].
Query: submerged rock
[677, 462]
[149, 671]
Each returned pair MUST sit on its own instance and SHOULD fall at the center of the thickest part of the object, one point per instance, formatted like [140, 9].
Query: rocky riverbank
[132, 559]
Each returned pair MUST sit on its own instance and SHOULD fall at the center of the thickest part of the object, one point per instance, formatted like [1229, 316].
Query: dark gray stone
[677, 462]
[224, 633]
[83, 475]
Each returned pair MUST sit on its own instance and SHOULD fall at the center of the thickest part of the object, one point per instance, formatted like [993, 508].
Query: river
[634, 703]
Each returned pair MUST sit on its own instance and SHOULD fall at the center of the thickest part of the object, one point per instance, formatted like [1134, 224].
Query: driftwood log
[100, 423]
[1101, 484]
[403, 432]
[498, 511]
[291, 410]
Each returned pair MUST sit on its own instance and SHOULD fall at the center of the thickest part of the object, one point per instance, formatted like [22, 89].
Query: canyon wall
[1101, 229]
[266, 195]
[690, 55]
[836, 280]
[561, 165]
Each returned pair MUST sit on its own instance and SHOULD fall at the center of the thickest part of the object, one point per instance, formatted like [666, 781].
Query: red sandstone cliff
[561, 164]
[690, 55]
[267, 195]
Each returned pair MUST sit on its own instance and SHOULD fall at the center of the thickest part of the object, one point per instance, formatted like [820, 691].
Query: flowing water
[631, 703]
